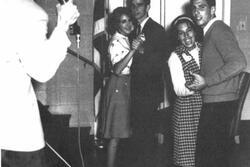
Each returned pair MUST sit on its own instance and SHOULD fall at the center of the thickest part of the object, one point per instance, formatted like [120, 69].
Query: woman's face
[186, 34]
[125, 26]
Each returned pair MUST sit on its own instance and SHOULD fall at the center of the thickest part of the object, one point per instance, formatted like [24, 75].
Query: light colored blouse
[119, 47]
[177, 74]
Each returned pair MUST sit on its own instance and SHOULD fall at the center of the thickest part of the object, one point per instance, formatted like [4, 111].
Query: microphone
[74, 29]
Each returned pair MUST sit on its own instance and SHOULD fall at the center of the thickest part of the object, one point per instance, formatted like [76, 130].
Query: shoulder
[118, 42]
[153, 24]
[219, 27]
[115, 39]
[28, 16]
[221, 32]
[174, 61]
[173, 57]
[32, 11]
[155, 33]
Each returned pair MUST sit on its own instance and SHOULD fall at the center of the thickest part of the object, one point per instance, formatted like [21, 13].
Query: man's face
[202, 13]
[139, 9]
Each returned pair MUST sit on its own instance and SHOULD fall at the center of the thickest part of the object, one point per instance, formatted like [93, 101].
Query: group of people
[136, 51]
[204, 75]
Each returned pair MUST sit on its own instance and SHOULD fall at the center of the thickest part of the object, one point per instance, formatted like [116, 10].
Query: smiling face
[125, 26]
[186, 34]
[202, 12]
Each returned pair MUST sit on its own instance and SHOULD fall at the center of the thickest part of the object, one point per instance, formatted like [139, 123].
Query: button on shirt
[119, 47]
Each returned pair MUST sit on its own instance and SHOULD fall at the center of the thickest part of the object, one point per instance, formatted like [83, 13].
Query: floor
[241, 154]
[94, 154]
[63, 145]
[66, 142]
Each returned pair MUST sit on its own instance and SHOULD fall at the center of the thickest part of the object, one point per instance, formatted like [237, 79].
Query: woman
[185, 59]
[117, 98]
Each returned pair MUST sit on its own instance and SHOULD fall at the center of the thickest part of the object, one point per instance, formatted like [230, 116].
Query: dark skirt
[116, 106]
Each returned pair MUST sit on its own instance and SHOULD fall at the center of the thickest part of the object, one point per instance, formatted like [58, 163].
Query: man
[26, 53]
[146, 81]
[222, 61]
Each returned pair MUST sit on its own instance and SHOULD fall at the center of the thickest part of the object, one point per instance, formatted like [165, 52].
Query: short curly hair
[114, 18]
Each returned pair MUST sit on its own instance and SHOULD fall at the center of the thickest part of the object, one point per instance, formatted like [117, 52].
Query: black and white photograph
[125, 83]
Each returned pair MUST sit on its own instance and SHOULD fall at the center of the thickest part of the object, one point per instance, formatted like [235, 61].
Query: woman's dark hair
[114, 18]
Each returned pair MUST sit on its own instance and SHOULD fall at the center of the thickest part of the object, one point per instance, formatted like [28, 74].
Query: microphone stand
[74, 30]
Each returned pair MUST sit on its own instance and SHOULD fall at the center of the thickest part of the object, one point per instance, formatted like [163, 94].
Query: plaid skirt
[185, 119]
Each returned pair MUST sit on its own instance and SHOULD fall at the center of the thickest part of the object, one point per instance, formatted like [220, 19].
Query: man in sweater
[222, 61]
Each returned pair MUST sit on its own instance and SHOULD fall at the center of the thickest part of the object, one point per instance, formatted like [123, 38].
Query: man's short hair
[147, 2]
[209, 2]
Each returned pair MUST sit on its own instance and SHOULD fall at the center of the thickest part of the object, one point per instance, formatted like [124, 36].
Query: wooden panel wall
[70, 91]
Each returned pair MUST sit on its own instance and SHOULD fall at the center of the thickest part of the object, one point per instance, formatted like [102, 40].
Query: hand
[198, 82]
[137, 43]
[67, 15]
[141, 36]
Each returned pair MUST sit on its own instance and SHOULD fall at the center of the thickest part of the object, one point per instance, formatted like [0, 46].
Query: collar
[143, 23]
[125, 42]
[182, 48]
[117, 34]
[205, 29]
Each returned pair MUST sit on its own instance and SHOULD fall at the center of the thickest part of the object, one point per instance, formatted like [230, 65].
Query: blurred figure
[26, 53]
[117, 97]
[222, 61]
[184, 60]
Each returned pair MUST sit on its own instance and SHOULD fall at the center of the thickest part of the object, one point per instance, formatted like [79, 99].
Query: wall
[240, 24]
[70, 91]
[178, 7]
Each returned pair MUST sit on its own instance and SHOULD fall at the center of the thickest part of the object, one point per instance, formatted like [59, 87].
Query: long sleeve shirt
[25, 53]
[177, 74]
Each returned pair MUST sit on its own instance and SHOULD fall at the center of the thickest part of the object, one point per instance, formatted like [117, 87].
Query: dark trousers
[23, 159]
[213, 140]
[143, 132]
